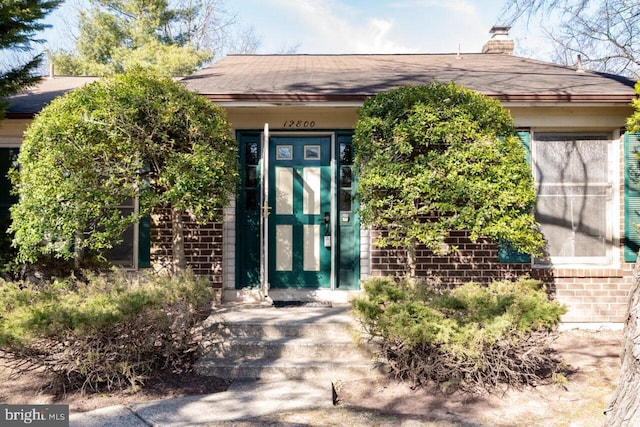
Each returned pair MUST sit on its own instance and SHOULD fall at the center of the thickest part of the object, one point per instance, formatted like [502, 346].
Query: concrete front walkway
[242, 401]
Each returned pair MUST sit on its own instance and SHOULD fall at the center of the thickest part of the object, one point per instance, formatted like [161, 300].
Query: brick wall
[596, 295]
[203, 246]
[592, 295]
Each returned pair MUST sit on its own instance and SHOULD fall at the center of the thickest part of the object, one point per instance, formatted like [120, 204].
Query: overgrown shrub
[473, 337]
[110, 331]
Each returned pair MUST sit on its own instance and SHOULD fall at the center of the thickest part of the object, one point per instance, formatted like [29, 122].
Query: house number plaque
[301, 124]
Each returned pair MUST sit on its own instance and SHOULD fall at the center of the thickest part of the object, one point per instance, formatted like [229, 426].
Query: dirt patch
[578, 401]
[34, 387]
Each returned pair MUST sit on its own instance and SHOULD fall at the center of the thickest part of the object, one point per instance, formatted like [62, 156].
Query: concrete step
[234, 330]
[279, 369]
[268, 322]
[288, 347]
[245, 342]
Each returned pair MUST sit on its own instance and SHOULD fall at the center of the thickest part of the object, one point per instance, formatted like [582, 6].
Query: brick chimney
[499, 41]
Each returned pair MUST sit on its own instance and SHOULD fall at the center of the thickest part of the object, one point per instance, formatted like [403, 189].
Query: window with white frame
[574, 188]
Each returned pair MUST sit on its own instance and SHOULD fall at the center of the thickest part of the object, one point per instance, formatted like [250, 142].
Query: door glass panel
[345, 200]
[346, 155]
[311, 254]
[284, 250]
[284, 152]
[311, 152]
[284, 191]
[252, 200]
[311, 191]
[251, 177]
[345, 176]
[251, 153]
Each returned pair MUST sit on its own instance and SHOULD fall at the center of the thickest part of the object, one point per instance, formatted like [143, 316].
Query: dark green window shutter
[631, 196]
[506, 253]
[144, 242]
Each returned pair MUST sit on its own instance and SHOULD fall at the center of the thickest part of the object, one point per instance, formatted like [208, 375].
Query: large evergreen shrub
[439, 157]
[473, 337]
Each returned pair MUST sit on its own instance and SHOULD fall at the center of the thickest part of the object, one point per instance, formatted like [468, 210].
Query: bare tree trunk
[412, 259]
[625, 404]
[177, 242]
[78, 253]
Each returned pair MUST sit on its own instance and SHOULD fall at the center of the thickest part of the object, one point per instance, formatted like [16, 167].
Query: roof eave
[358, 98]
[17, 116]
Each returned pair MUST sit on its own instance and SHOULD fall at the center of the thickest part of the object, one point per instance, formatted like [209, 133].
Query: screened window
[573, 184]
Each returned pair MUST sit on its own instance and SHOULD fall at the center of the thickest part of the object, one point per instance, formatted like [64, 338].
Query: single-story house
[293, 231]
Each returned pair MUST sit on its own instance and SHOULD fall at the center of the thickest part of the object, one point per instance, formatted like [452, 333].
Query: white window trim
[612, 236]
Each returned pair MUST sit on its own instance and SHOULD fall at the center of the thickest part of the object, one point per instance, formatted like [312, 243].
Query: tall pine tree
[117, 35]
[20, 21]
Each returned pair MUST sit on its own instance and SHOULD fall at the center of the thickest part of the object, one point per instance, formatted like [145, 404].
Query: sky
[349, 26]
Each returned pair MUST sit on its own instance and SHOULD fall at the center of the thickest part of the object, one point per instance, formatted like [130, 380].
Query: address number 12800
[299, 124]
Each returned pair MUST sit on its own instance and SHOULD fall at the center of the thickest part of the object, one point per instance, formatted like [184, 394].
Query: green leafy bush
[110, 331]
[439, 157]
[472, 337]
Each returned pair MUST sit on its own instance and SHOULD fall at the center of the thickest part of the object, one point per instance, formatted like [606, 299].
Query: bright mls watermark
[34, 415]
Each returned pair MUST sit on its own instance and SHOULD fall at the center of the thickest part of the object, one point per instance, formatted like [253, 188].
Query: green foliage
[91, 330]
[437, 158]
[117, 36]
[633, 122]
[132, 135]
[471, 330]
[20, 21]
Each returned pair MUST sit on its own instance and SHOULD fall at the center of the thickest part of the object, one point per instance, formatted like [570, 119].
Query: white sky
[351, 26]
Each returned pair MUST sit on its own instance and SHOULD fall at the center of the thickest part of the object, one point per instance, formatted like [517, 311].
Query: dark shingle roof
[355, 77]
[35, 98]
[286, 78]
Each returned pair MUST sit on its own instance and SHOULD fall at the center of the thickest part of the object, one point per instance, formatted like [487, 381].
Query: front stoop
[293, 343]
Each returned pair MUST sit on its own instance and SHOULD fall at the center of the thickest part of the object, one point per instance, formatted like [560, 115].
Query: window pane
[573, 226]
[345, 200]
[251, 153]
[345, 176]
[311, 152]
[122, 254]
[346, 156]
[251, 177]
[129, 203]
[284, 152]
[570, 160]
[252, 200]
[571, 173]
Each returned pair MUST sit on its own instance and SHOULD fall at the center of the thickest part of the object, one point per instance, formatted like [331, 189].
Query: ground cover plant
[474, 338]
[105, 332]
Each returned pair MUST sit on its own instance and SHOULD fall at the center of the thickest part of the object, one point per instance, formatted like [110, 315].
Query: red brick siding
[476, 262]
[203, 246]
[591, 295]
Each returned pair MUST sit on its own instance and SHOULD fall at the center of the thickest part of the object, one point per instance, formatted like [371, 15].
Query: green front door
[299, 232]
